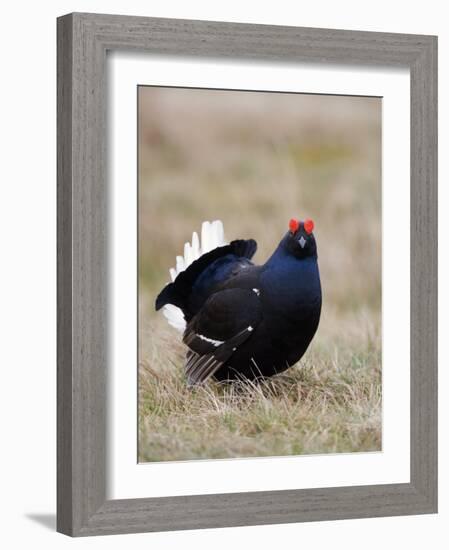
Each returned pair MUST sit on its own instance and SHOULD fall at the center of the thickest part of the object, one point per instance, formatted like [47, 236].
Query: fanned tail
[212, 236]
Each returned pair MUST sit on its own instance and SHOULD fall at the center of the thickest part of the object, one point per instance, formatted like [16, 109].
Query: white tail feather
[212, 236]
[174, 317]
[196, 253]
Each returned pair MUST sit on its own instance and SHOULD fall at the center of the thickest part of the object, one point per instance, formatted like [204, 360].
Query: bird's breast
[292, 291]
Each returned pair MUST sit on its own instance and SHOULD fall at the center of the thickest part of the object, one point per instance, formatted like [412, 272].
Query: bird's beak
[302, 242]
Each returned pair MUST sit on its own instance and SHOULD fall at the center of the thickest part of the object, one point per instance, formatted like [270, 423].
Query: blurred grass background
[254, 160]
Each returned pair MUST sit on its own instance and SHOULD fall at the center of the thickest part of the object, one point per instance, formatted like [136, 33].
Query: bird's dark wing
[227, 319]
[178, 292]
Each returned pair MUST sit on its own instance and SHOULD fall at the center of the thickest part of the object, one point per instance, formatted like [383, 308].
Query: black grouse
[241, 320]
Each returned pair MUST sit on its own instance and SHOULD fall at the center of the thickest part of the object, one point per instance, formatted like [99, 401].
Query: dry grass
[330, 403]
[254, 162]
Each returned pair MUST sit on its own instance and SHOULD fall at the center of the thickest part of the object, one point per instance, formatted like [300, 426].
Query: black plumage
[248, 321]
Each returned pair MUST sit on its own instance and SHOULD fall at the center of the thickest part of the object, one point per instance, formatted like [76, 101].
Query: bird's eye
[308, 226]
[293, 225]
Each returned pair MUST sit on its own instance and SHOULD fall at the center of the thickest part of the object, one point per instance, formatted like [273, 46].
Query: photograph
[259, 274]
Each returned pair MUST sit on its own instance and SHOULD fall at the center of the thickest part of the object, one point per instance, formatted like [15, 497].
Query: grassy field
[254, 161]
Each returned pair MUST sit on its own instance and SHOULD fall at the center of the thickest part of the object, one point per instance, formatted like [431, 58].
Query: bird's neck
[291, 281]
[283, 256]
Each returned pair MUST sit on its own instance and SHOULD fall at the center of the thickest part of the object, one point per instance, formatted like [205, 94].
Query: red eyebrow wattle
[308, 226]
[293, 225]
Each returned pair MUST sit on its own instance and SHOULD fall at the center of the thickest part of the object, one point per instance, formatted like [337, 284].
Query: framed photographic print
[247, 281]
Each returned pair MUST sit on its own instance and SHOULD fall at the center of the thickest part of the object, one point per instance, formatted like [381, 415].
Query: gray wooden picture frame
[83, 41]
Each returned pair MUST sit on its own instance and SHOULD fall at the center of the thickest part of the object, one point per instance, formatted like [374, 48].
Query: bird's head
[299, 239]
